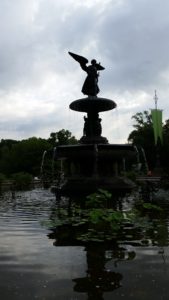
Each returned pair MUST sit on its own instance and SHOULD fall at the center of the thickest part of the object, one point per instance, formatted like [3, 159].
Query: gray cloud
[136, 43]
[38, 79]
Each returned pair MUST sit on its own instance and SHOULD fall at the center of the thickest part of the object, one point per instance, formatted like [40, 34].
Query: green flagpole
[157, 122]
[158, 138]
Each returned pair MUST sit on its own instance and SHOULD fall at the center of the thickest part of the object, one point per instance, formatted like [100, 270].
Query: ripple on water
[33, 267]
[24, 210]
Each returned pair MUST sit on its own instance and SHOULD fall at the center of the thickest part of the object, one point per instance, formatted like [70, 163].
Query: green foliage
[2, 177]
[22, 180]
[164, 150]
[62, 137]
[98, 199]
[152, 207]
[143, 136]
[131, 175]
[22, 156]
[96, 223]
[142, 119]
[89, 224]
[26, 155]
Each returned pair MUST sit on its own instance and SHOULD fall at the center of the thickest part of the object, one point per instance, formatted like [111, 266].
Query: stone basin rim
[92, 103]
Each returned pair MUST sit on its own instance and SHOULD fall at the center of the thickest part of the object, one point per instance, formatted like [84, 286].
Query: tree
[23, 156]
[26, 155]
[165, 147]
[62, 137]
[143, 136]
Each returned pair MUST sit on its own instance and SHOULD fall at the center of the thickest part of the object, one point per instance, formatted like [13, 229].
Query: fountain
[94, 163]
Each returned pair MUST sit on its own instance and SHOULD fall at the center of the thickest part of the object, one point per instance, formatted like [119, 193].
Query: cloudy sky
[38, 79]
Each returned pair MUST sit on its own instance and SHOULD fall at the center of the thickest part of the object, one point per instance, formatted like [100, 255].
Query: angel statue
[90, 86]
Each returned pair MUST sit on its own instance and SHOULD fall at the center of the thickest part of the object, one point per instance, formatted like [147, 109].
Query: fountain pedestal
[92, 123]
[94, 163]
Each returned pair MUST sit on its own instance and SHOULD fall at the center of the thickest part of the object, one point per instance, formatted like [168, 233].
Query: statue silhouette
[90, 86]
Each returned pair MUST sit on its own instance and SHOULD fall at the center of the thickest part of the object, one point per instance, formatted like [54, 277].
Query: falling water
[53, 161]
[95, 168]
[145, 160]
[42, 163]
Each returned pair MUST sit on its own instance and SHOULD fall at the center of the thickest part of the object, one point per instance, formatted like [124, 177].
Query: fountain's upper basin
[96, 104]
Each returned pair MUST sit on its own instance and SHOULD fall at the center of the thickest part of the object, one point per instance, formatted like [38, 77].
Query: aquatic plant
[98, 199]
[97, 223]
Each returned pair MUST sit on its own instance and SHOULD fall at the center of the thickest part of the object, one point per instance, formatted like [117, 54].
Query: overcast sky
[38, 79]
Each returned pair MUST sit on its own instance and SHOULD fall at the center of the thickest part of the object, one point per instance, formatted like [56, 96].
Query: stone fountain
[94, 163]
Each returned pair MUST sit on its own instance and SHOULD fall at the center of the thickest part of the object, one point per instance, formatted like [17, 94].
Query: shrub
[22, 180]
[2, 177]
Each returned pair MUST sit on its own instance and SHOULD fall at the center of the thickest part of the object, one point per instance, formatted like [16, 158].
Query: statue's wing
[99, 67]
[81, 60]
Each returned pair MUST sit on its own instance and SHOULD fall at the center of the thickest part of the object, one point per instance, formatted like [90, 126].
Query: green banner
[157, 124]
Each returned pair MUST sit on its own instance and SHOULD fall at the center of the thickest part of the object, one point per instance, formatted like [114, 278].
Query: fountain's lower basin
[87, 185]
[88, 167]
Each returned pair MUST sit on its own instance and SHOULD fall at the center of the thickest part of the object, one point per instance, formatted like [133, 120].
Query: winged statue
[90, 86]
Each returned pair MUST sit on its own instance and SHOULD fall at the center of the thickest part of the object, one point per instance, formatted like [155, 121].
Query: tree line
[26, 155]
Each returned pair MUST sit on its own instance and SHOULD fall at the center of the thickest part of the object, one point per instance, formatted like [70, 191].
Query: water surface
[32, 267]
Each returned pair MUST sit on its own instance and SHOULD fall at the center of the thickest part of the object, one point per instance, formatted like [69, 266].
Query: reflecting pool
[34, 266]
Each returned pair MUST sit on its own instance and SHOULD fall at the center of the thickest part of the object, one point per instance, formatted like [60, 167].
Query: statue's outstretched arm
[99, 67]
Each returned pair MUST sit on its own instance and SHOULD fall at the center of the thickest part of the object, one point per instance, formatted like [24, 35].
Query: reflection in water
[31, 268]
[150, 230]
[98, 279]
